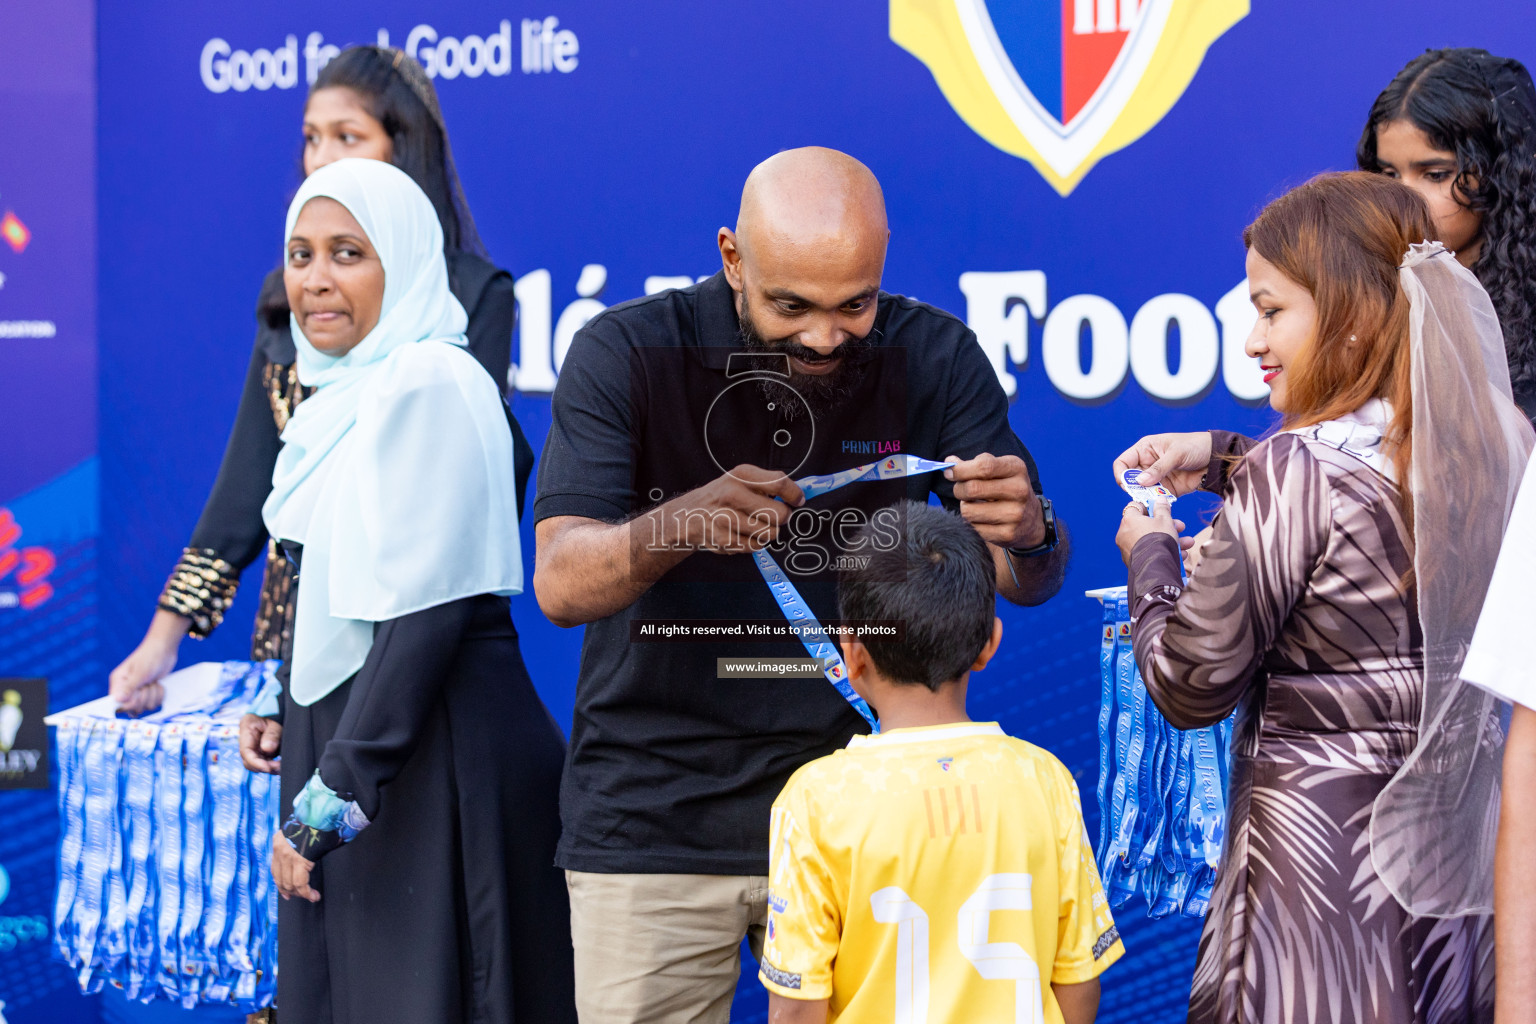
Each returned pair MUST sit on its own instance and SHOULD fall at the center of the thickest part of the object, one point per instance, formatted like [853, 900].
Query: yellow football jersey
[934, 875]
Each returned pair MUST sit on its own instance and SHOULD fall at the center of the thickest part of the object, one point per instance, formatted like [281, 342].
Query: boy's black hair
[938, 583]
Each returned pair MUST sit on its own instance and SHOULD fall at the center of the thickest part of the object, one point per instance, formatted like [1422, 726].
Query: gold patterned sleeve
[201, 587]
[230, 534]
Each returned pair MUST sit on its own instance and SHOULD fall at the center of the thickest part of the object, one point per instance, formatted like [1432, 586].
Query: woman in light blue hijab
[416, 757]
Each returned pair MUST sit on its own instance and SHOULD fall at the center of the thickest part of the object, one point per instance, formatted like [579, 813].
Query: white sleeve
[1500, 659]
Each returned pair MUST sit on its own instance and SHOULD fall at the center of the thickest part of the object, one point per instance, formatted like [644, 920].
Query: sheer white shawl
[1433, 825]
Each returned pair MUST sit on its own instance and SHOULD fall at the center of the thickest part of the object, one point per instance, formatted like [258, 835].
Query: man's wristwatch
[1047, 545]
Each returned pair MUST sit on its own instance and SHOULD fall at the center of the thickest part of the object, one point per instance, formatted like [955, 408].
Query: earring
[1351, 337]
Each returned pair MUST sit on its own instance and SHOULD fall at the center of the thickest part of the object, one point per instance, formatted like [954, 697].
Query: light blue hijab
[396, 474]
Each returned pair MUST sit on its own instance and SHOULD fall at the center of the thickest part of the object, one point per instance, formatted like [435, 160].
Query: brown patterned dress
[1297, 615]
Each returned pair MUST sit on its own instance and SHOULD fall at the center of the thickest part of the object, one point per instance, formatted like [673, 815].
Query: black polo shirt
[671, 769]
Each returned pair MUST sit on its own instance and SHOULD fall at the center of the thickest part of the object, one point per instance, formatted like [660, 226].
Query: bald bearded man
[680, 423]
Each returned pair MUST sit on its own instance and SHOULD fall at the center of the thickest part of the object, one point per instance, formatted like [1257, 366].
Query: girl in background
[1458, 126]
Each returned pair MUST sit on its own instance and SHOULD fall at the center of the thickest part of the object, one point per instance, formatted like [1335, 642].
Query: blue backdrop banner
[48, 495]
[1071, 177]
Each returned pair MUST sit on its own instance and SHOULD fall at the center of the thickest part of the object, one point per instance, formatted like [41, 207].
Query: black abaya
[448, 906]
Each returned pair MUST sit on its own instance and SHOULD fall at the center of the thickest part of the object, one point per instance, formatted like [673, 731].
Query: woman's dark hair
[929, 571]
[399, 95]
[1483, 109]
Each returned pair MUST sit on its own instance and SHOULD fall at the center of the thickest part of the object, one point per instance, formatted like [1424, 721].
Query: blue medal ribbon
[1162, 790]
[1130, 740]
[265, 702]
[114, 938]
[237, 944]
[164, 889]
[168, 774]
[225, 777]
[1106, 721]
[194, 872]
[812, 635]
[139, 794]
[72, 842]
[100, 821]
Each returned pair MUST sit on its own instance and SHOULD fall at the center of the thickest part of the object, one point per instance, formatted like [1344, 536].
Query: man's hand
[260, 740]
[739, 512]
[1136, 524]
[587, 569]
[1177, 461]
[291, 871]
[997, 498]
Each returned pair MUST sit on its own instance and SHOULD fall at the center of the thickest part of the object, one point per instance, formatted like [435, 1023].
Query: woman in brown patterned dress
[1301, 613]
[371, 102]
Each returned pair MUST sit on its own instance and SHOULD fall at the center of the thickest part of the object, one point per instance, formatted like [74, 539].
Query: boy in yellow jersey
[938, 872]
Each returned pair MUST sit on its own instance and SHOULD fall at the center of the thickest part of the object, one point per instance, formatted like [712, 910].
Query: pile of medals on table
[164, 886]
[1162, 791]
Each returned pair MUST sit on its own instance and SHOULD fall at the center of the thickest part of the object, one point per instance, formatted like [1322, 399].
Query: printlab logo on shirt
[861, 447]
[1062, 83]
[23, 734]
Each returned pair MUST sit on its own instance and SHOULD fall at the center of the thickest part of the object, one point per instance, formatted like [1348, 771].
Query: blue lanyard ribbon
[226, 777]
[164, 888]
[72, 839]
[194, 869]
[168, 829]
[817, 643]
[139, 794]
[101, 789]
[1161, 790]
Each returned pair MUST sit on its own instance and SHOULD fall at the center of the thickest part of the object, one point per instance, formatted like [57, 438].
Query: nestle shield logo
[1062, 83]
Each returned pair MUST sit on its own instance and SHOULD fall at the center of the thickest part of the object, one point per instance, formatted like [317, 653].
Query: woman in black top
[370, 102]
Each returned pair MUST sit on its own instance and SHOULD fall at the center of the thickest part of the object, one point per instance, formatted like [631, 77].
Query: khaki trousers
[662, 949]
